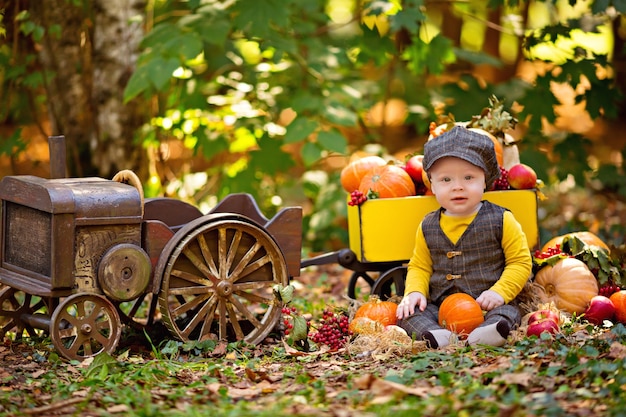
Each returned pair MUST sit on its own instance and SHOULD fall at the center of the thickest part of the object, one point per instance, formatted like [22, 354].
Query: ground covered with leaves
[579, 372]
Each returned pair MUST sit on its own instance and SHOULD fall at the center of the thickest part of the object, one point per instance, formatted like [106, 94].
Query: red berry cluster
[502, 183]
[287, 321]
[333, 330]
[608, 289]
[550, 252]
[357, 198]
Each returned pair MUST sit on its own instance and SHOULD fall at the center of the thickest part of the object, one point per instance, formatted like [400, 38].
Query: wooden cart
[382, 234]
[80, 258]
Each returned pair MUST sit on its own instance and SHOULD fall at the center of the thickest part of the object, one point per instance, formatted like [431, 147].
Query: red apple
[414, 168]
[541, 326]
[543, 315]
[600, 308]
[522, 177]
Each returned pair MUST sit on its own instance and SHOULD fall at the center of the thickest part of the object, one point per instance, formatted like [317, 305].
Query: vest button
[453, 253]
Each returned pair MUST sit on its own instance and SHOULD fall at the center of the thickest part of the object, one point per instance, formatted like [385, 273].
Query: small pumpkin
[364, 325]
[587, 237]
[569, 284]
[460, 313]
[353, 173]
[383, 312]
[619, 302]
[387, 181]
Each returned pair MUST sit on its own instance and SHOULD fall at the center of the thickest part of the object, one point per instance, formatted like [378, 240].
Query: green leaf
[620, 6]
[332, 140]
[101, 365]
[270, 159]
[572, 153]
[160, 35]
[340, 115]
[600, 6]
[299, 129]
[311, 153]
[408, 18]
[300, 329]
[211, 143]
[304, 101]
[185, 46]
[138, 83]
[432, 57]
[284, 294]
[539, 103]
[159, 71]
[259, 16]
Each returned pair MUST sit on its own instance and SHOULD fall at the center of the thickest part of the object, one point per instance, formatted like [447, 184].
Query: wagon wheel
[355, 279]
[84, 325]
[218, 277]
[13, 305]
[140, 313]
[390, 283]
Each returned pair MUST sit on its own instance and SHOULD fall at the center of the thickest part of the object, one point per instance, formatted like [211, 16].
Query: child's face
[457, 185]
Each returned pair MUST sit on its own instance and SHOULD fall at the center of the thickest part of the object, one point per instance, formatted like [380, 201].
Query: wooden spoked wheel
[218, 278]
[139, 313]
[390, 283]
[14, 304]
[84, 325]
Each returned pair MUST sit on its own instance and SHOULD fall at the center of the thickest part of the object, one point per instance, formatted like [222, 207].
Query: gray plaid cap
[473, 147]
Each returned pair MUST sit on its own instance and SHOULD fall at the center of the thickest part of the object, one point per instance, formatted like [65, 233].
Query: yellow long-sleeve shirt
[518, 260]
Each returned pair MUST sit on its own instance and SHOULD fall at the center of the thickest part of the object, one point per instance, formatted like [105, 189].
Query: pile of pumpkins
[565, 287]
[570, 285]
[375, 177]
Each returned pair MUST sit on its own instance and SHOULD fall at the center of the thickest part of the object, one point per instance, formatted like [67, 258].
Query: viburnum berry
[502, 183]
[332, 330]
[288, 314]
[357, 198]
[550, 252]
[608, 289]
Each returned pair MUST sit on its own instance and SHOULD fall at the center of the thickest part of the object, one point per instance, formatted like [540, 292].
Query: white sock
[492, 334]
[438, 338]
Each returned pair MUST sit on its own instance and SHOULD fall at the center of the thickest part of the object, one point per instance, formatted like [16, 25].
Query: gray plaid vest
[475, 263]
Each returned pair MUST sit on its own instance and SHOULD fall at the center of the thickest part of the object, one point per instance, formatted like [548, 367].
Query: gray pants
[422, 321]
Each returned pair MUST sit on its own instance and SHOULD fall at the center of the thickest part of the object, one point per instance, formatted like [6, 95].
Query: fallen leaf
[617, 351]
[519, 378]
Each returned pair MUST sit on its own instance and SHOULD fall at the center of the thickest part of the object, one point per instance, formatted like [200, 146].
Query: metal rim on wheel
[14, 304]
[84, 325]
[218, 277]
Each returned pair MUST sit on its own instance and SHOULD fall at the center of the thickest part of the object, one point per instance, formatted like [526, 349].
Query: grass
[580, 371]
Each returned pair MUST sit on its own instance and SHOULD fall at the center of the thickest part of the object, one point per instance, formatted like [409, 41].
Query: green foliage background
[274, 95]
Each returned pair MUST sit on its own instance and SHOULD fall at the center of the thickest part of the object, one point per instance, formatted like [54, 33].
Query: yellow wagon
[382, 233]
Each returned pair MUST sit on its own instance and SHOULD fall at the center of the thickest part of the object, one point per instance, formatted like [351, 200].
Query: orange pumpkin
[387, 181]
[460, 313]
[587, 237]
[569, 284]
[619, 301]
[364, 325]
[383, 312]
[353, 173]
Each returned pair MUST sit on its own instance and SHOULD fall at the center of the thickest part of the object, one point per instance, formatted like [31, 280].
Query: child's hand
[408, 303]
[489, 300]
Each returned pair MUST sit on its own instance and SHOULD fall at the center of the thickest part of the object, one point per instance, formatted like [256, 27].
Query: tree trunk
[91, 60]
[115, 51]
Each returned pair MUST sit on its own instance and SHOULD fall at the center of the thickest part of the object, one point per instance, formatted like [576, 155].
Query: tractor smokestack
[56, 144]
